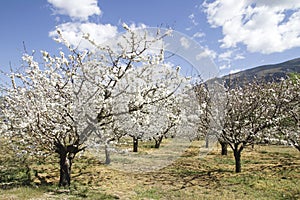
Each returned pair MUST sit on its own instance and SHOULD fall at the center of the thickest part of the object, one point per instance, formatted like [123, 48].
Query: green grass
[268, 172]
[152, 193]
[24, 192]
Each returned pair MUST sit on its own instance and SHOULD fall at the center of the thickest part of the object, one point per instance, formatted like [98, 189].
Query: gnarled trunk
[66, 156]
[65, 169]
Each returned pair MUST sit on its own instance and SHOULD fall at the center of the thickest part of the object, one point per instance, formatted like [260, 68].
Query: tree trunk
[66, 156]
[65, 169]
[28, 173]
[158, 141]
[206, 141]
[135, 144]
[107, 154]
[237, 156]
[223, 148]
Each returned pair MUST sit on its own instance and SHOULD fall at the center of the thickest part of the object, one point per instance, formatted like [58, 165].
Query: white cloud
[230, 55]
[73, 33]
[226, 56]
[76, 9]
[225, 66]
[265, 26]
[184, 42]
[199, 35]
[133, 26]
[239, 57]
[192, 18]
[206, 53]
[234, 71]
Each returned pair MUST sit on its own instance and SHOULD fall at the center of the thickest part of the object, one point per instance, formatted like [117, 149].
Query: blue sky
[235, 34]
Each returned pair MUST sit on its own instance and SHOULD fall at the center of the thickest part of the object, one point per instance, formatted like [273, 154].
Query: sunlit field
[171, 100]
[268, 172]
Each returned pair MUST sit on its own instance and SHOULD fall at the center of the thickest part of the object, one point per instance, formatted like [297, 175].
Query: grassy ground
[268, 172]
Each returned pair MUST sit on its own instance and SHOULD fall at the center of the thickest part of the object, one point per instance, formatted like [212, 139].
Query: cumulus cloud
[73, 33]
[76, 9]
[79, 11]
[261, 25]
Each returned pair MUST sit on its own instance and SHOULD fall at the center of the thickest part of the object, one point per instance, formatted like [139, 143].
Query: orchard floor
[268, 172]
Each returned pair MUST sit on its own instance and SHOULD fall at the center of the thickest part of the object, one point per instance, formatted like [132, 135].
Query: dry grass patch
[268, 172]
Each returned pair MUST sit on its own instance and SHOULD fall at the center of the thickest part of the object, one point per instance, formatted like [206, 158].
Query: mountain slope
[265, 73]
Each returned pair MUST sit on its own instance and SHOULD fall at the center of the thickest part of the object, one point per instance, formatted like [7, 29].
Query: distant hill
[264, 73]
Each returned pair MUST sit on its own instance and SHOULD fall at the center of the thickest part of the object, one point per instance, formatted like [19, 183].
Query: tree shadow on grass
[11, 177]
[180, 179]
